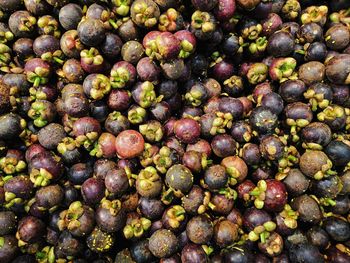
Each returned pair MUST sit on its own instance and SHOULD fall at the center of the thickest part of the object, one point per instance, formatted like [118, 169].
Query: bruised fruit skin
[163, 243]
[315, 164]
[199, 229]
[312, 72]
[129, 144]
[308, 209]
[91, 32]
[179, 178]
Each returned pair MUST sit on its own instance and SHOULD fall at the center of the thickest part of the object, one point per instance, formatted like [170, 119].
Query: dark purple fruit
[163, 243]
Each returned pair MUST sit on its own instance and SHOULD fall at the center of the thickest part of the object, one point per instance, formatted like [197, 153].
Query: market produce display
[194, 131]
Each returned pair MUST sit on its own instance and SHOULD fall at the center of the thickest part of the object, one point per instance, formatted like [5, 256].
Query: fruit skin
[225, 9]
[308, 209]
[276, 196]
[312, 72]
[280, 44]
[200, 229]
[179, 177]
[258, 115]
[187, 130]
[91, 32]
[129, 144]
[9, 250]
[336, 70]
[248, 4]
[296, 182]
[8, 220]
[338, 229]
[225, 233]
[238, 254]
[204, 5]
[10, 126]
[140, 251]
[70, 16]
[51, 135]
[163, 243]
[305, 253]
[311, 164]
[193, 253]
[338, 152]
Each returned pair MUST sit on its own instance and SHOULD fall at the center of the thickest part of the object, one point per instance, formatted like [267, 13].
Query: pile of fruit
[174, 131]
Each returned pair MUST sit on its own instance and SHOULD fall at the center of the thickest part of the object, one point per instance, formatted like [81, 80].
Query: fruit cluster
[139, 131]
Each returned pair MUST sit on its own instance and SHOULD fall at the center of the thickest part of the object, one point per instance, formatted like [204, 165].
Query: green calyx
[252, 32]
[145, 14]
[167, 21]
[119, 77]
[316, 100]
[39, 76]
[327, 201]
[326, 171]
[258, 193]
[100, 87]
[176, 215]
[67, 144]
[228, 192]
[27, 23]
[314, 14]
[163, 160]
[148, 96]
[46, 255]
[137, 115]
[147, 177]
[49, 26]
[55, 57]
[11, 165]
[146, 159]
[221, 122]
[194, 97]
[205, 204]
[11, 199]
[331, 113]
[186, 49]
[262, 232]
[290, 217]
[91, 57]
[70, 218]
[114, 206]
[202, 21]
[6, 36]
[122, 7]
[258, 46]
[136, 228]
[284, 69]
[40, 177]
[257, 73]
[234, 81]
[87, 140]
[289, 159]
[152, 131]
[291, 9]
[5, 55]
